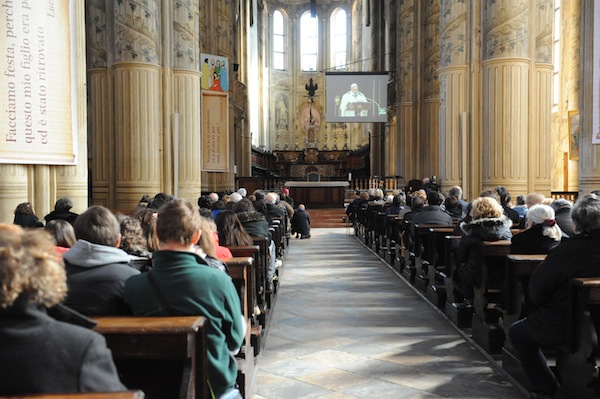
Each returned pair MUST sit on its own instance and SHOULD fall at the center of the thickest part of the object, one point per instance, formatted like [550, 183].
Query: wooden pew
[241, 272]
[577, 362]
[487, 287]
[459, 313]
[399, 250]
[241, 269]
[519, 269]
[424, 250]
[261, 269]
[166, 357]
[436, 271]
[86, 395]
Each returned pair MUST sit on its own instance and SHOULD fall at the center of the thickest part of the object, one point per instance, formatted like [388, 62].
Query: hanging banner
[215, 131]
[38, 117]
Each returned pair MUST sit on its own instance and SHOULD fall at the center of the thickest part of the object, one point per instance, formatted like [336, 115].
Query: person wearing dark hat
[62, 211]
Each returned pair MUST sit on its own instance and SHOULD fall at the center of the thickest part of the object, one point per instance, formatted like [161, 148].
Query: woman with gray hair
[542, 234]
[579, 256]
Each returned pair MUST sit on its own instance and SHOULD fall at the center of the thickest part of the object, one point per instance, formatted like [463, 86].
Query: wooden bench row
[429, 263]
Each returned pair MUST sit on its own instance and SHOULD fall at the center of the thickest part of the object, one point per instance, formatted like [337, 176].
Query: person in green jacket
[190, 287]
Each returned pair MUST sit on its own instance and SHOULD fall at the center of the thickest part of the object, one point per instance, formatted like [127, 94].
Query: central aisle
[346, 326]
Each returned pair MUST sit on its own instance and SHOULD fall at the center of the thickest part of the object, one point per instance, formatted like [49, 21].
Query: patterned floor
[346, 326]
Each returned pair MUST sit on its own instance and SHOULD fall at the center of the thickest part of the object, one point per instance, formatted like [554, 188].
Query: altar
[318, 194]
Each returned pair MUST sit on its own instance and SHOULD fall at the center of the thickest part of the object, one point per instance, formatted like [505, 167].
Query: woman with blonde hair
[39, 354]
[542, 232]
[488, 223]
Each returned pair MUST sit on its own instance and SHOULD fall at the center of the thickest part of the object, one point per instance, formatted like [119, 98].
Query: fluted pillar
[430, 108]
[589, 161]
[137, 100]
[506, 94]
[184, 54]
[540, 137]
[407, 127]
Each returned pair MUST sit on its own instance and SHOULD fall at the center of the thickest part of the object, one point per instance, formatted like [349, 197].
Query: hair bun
[549, 222]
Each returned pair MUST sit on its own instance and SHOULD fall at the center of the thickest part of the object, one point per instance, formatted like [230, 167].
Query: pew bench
[436, 271]
[576, 364]
[166, 357]
[519, 269]
[458, 312]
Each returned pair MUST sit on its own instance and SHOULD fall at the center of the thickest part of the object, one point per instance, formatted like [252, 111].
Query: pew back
[163, 356]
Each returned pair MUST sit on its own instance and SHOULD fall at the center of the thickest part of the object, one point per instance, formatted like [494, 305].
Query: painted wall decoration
[215, 72]
[38, 117]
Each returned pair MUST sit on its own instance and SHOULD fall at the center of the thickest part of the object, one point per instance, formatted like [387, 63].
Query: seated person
[25, 216]
[488, 223]
[230, 230]
[63, 234]
[181, 283]
[542, 232]
[96, 267]
[62, 211]
[301, 222]
[562, 210]
[578, 256]
[39, 354]
[433, 213]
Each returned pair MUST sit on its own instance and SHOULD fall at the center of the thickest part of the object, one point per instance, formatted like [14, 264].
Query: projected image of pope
[353, 103]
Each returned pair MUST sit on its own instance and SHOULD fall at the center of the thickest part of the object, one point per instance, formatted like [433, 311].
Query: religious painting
[215, 76]
[574, 135]
[282, 115]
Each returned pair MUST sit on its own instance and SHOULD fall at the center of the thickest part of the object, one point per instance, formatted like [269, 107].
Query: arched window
[339, 39]
[278, 41]
[309, 41]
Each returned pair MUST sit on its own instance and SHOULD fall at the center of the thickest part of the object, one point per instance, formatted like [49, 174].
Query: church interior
[478, 94]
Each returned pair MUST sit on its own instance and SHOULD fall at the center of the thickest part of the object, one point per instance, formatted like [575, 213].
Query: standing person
[349, 99]
[578, 256]
[39, 354]
[301, 222]
[181, 283]
[285, 196]
[96, 267]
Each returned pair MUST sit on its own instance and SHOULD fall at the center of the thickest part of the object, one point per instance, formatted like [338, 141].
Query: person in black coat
[579, 256]
[39, 354]
[562, 210]
[542, 234]
[25, 216]
[301, 222]
[62, 211]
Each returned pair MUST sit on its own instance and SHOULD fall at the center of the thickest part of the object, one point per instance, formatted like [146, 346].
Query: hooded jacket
[96, 276]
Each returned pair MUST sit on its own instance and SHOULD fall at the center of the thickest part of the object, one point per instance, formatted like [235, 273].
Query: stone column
[540, 154]
[589, 161]
[430, 108]
[407, 127]
[506, 95]
[101, 116]
[184, 55]
[137, 100]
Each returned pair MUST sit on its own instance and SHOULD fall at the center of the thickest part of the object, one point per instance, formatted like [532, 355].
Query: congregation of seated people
[165, 258]
[566, 234]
